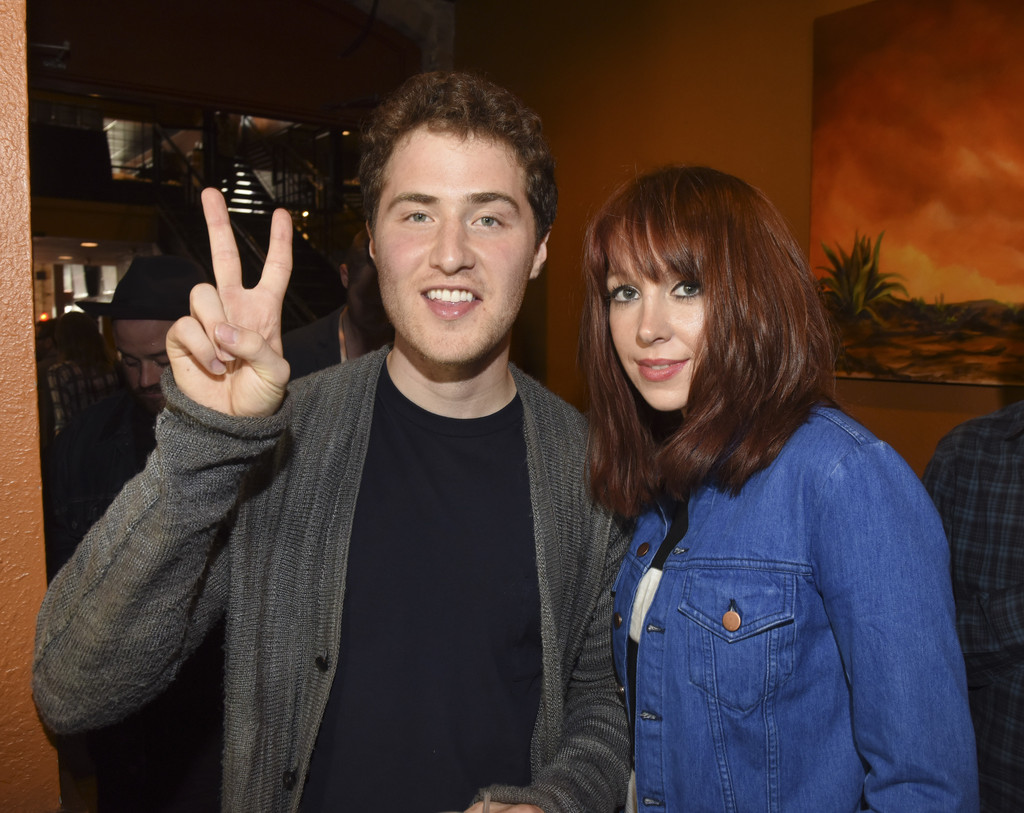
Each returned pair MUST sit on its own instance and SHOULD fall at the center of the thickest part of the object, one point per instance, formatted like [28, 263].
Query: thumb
[249, 346]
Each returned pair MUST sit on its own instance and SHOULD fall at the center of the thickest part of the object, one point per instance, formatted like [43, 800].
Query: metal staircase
[315, 288]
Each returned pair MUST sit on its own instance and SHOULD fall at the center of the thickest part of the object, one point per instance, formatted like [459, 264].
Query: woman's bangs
[633, 250]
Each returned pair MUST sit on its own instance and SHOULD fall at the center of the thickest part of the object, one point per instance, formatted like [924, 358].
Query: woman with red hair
[783, 620]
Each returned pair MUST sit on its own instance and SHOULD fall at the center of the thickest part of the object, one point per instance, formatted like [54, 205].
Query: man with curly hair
[415, 579]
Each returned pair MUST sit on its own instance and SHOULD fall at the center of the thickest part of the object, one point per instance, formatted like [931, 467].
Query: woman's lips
[660, 369]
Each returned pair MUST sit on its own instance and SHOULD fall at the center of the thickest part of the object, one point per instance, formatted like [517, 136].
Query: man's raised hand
[227, 355]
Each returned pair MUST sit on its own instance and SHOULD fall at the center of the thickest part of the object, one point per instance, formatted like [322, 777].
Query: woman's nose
[654, 325]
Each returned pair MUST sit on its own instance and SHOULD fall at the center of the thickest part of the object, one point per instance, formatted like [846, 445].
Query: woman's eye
[686, 289]
[624, 293]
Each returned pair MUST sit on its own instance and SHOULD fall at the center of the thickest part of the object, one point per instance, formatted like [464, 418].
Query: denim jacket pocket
[742, 636]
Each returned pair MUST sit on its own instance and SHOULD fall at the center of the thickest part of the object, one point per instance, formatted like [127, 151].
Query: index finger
[227, 267]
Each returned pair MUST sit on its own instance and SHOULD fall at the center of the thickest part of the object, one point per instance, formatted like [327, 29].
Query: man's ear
[371, 245]
[540, 257]
[343, 269]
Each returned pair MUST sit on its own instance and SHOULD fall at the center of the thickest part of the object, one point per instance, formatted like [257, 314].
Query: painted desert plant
[853, 285]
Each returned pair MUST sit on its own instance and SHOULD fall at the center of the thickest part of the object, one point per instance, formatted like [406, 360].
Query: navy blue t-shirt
[438, 680]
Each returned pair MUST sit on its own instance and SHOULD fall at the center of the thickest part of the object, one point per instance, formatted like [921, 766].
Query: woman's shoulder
[830, 443]
[831, 428]
[828, 437]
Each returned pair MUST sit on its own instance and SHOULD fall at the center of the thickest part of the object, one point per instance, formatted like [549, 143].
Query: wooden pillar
[28, 763]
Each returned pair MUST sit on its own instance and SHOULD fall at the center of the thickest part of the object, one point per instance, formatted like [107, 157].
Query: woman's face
[657, 329]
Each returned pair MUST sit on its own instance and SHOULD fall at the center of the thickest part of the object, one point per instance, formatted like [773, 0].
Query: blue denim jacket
[843, 681]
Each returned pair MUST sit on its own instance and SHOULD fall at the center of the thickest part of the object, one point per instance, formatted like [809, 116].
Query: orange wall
[28, 765]
[624, 87]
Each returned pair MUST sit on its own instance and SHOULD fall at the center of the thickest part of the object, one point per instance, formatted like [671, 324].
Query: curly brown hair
[463, 104]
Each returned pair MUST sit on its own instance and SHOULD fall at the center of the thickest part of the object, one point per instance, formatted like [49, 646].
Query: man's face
[142, 350]
[455, 246]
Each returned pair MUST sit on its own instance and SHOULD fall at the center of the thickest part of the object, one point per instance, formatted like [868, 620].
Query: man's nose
[149, 373]
[451, 251]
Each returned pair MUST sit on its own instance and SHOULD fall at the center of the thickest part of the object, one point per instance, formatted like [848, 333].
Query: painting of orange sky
[919, 132]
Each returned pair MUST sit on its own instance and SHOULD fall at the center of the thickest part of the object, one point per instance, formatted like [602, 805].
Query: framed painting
[917, 203]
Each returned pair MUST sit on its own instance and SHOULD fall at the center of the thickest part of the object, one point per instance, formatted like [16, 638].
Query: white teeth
[448, 295]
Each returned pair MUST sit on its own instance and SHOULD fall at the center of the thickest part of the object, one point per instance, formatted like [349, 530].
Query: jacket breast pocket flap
[760, 599]
[741, 640]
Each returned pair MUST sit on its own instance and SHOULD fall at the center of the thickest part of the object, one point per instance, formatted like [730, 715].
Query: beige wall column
[28, 764]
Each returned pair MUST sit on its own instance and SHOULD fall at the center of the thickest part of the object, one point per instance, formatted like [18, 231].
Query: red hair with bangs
[768, 350]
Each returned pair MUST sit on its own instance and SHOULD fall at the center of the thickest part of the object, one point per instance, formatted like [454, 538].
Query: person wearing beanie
[151, 296]
[166, 757]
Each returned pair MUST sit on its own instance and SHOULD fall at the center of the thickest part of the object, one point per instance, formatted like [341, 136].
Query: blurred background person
[166, 757]
[108, 443]
[356, 328]
[84, 372]
[976, 478]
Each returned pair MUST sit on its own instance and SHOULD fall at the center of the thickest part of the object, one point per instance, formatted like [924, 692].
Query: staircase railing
[297, 184]
[180, 211]
[303, 186]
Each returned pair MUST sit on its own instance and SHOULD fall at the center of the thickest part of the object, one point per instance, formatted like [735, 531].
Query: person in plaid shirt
[976, 479]
[85, 373]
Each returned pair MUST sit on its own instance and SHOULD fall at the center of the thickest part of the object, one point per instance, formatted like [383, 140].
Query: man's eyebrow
[493, 197]
[475, 198]
[143, 356]
[411, 197]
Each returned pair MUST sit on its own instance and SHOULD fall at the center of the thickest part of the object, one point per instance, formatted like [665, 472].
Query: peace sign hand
[227, 355]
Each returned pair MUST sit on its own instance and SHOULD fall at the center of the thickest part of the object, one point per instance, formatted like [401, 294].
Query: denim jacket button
[642, 550]
[617, 620]
[731, 620]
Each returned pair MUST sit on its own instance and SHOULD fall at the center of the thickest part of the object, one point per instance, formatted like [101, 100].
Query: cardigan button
[642, 550]
[288, 780]
[322, 662]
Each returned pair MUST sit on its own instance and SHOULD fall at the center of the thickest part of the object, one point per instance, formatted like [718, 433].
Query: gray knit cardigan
[253, 516]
